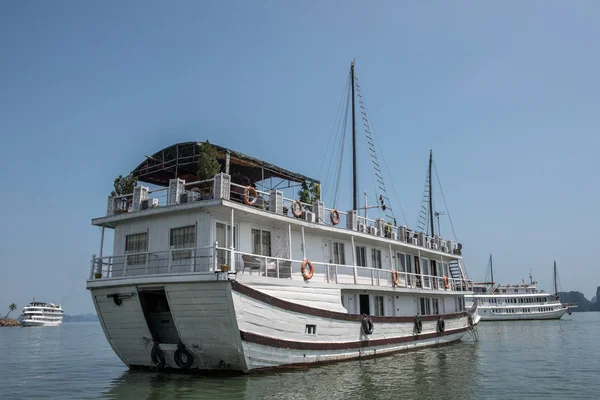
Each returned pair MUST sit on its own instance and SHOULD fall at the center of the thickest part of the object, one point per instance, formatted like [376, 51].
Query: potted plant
[387, 229]
[124, 186]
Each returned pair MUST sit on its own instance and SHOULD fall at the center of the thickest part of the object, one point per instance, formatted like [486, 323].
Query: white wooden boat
[290, 284]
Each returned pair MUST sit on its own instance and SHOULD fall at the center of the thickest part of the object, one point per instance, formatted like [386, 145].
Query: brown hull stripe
[317, 312]
[288, 344]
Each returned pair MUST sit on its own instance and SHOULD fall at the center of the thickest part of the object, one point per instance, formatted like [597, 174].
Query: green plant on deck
[387, 228]
[124, 185]
[208, 166]
[309, 192]
[11, 308]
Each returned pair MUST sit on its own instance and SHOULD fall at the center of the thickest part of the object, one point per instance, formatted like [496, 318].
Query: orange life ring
[247, 195]
[307, 274]
[446, 284]
[395, 278]
[334, 216]
[296, 211]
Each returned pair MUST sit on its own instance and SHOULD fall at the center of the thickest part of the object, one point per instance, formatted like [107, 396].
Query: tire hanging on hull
[189, 357]
[158, 357]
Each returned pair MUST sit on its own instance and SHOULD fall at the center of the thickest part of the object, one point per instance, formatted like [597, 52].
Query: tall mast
[491, 268]
[354, 185]
[555, 286]
[430, 193]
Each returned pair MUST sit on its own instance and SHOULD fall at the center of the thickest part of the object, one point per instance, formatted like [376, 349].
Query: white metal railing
[203, 190]
[191, 260]
[283, 268]
[260, 201]
[214, 258]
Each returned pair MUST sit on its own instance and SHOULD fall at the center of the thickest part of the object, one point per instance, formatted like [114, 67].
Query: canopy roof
[181, 161]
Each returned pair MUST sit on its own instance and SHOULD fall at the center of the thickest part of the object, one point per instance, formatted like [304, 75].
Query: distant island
[583, 304]
[89, 317]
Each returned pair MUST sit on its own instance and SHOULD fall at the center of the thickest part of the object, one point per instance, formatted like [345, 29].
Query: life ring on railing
[446, 283]
[441, 325]
[395, 278]
[248, 192]
[189, 357]
[157, 356]
[418, 324]
[296, 208]
[367, 324]
[334, 216]
[307, 274]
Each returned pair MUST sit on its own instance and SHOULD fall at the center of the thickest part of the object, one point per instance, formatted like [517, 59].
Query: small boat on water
[227, 273]
[516, 302]
[39, 313]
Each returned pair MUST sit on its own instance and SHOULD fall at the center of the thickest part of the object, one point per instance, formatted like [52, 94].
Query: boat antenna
[354, 185]
[555, 287]
[430, 193]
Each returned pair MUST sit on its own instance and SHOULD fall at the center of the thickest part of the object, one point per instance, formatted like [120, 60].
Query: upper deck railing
[213, 259]
[221, 187]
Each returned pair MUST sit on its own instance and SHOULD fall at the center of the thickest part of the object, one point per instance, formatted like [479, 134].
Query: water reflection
[524, 359]
[442, 372]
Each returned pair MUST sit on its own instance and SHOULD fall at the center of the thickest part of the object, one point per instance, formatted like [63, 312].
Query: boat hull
[26, 323]
[230, 326]
[487, 315]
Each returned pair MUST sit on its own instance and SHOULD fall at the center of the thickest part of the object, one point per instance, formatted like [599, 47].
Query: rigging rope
[372, 125]
[338, 136]
[445, 204]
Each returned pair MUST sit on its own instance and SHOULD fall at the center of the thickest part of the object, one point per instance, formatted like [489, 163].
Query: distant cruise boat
[38, 313]
[516, 302]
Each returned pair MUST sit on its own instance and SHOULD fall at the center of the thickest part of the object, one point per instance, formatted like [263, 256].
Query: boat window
[379, 306]
[361, 256]
[399, 264]
[136, 243]
[261, 242]
[183, 238]
[516, 290]
[425, 310]
[460, 304]
[339, 255]
[436, 306]
[223, 237]
[365, 306]
[376, 258]
[404, 262]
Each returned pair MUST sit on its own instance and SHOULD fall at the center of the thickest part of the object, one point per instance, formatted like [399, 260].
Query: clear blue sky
[506, 93]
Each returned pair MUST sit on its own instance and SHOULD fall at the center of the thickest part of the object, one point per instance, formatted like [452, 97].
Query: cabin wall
[159, 228]
[319, 245]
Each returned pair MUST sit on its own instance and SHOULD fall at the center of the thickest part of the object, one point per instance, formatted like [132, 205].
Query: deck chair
[252, 263]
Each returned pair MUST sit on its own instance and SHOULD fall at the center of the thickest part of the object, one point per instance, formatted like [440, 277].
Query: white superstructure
[38, 313]
[515, 302]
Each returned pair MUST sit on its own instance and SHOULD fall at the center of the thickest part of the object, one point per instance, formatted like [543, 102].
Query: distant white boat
[38, 313]
[515, 302]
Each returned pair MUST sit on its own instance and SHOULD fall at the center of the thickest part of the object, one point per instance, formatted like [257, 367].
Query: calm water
[551, 360]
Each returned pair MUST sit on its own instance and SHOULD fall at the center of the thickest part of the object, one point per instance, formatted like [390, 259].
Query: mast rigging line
[338, 135]
[370, 133]
[445, 204]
